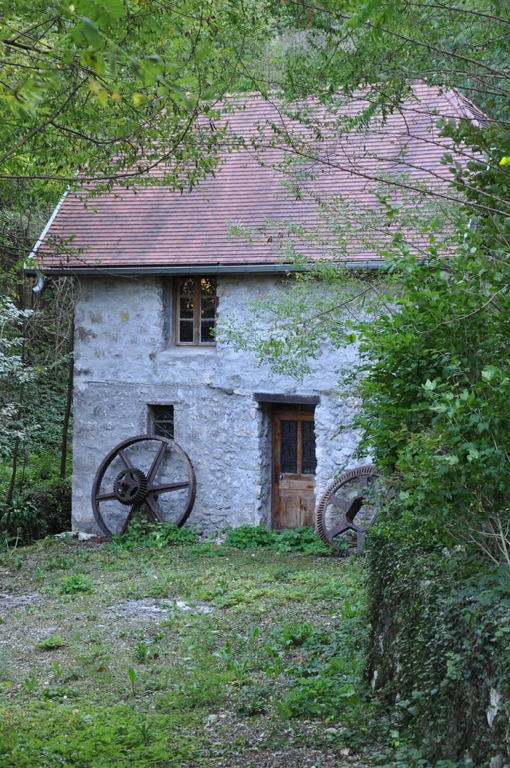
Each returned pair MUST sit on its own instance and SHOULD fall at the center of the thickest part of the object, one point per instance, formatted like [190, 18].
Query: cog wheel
[346, 511]
[130, 486]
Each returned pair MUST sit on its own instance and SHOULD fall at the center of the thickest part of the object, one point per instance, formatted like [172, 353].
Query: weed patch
[189, 655]
[55, 735]
[76, 583]
[302, 539]
[145, 534]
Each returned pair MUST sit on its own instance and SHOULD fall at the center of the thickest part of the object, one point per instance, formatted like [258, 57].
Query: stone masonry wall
[124, 360]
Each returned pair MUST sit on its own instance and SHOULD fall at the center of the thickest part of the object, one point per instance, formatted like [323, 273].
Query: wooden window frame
[294, 414]
[197, 307]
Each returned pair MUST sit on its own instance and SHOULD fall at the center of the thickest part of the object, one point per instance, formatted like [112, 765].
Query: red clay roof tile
[156, 227]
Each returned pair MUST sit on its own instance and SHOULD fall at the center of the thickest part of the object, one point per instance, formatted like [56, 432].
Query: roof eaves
[203, 269]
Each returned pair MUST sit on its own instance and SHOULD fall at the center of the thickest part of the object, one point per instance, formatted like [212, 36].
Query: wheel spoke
[342, 502]
[156, 463]
[340, 528]
[355, 507]
[128, 518]
[156, 512]
[105, 497]
[168, 487]
[125, 459]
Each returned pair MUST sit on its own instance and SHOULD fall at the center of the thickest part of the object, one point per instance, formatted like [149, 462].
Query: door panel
[293, 469]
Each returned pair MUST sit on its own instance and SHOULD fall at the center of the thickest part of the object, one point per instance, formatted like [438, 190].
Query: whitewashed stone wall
[124, 361]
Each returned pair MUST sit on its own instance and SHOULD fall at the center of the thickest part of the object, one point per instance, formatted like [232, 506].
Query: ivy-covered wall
[440, 648]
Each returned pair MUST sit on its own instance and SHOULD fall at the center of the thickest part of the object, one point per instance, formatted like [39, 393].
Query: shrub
[52, 500]
[439, 646]
[39, 512]
[303, 539]
[249, 537]
[19, 522]
[76, 583]
[144, 534]
[322, 697]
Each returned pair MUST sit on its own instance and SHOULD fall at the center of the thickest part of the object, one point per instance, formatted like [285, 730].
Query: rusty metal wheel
[146, 473]
[347, 510]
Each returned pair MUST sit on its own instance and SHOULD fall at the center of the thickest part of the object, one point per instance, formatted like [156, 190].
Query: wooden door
[294, 465]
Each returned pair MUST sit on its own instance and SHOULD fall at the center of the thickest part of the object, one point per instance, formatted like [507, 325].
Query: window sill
[191, 350]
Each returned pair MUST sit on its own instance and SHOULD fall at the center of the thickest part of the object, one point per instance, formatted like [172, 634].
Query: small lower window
[162, 421]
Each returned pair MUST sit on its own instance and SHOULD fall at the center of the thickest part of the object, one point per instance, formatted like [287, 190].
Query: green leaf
[91, 32]
[116, 8]
[488, 372]
[102, 97]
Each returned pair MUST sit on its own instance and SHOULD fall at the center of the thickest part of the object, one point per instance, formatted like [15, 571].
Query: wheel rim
[345, 511]
[147, 472]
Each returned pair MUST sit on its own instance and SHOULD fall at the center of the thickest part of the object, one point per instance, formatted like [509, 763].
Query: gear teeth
[367, 470]
[138, 484]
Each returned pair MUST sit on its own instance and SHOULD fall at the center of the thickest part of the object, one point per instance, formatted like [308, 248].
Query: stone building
[157, 268]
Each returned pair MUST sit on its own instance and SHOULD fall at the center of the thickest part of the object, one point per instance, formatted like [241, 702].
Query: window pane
[288, 447]
[308, 460]
[207, 326]
[186, 331]
[208, 286]
[163, 414]
[186, 307]
[164, 430]
[208, 307]
[187, 286]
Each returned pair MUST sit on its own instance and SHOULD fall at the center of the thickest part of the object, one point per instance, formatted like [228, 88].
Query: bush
[144, 534]
[440, 623]
[303, 539]
[19, 522]
[52, 500]
[249, 537]
[40, 512]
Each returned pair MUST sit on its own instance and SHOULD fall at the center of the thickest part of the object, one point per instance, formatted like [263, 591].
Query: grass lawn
[198, 655]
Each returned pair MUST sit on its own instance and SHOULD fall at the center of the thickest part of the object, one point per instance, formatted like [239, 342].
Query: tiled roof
[157, 227]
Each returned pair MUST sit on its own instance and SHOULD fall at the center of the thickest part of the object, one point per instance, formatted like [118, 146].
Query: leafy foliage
[76, 582]
[50, 643]
[12, 366]
[303, 539]
[41, 511]
[96, 738]
[434, 386]
[131, 79]
[143, 534]
[439, 646]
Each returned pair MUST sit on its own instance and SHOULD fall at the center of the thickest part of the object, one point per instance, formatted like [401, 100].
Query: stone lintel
[266, 397]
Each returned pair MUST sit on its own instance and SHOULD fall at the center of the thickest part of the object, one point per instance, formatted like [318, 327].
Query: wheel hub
[130, 486]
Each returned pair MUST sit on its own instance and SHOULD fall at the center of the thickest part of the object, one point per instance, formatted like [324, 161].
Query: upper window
[196, 310]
